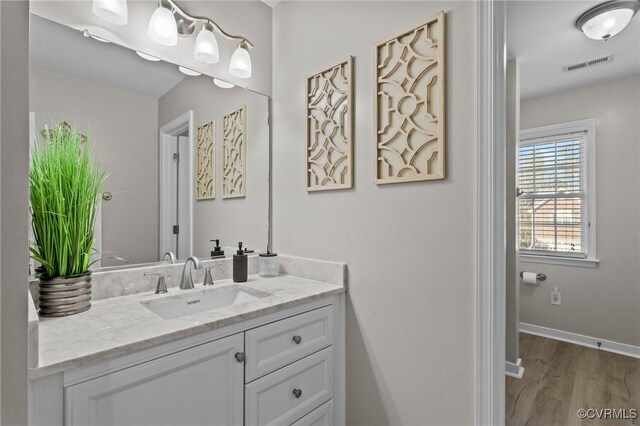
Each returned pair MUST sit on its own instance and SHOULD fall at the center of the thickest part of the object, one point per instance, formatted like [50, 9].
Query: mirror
[159, 134]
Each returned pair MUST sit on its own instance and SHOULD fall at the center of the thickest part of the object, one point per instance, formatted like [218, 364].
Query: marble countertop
[120, 325]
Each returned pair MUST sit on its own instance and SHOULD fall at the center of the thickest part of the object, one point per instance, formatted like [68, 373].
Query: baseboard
[514, 370]
[579, 339]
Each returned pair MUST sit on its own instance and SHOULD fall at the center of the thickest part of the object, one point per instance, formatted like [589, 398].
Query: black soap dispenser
[240, 266]
[217, 251]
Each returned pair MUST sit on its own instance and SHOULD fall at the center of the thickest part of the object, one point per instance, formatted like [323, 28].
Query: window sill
[565, 261]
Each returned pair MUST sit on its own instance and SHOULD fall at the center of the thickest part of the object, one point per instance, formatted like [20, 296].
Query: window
[556, 194]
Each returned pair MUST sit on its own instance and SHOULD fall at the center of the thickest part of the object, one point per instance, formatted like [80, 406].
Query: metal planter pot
[62, 296]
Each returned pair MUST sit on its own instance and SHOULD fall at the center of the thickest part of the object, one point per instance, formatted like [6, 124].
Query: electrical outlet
[556, 297]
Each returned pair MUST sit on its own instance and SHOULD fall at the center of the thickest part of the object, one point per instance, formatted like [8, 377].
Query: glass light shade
[607, 24]
[147, 56]
[206, 47]
[240, 65]
[188, 71]
[163, 28]
[223, 84]
[114, 11]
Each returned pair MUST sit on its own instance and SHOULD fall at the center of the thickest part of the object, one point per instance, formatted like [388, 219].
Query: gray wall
[251, 19]
[602, 302]
[14, 160]
[123, 127]
[511, 274]
[234, 219]
[409, 247]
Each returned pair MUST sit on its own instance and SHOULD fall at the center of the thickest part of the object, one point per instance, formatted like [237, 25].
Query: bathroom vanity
[266, 352]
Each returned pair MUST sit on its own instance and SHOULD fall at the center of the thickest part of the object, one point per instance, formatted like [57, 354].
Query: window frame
[589, 127]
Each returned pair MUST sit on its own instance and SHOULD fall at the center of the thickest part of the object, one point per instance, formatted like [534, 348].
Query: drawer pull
[297, 393]
[240, 356]
[297, 339]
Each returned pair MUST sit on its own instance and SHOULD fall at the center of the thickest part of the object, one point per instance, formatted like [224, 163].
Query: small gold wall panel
[234, 154]
[330, 128]
[206, 161]
[410, 105]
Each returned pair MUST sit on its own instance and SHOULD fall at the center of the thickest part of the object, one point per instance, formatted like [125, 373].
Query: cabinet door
[197, 386]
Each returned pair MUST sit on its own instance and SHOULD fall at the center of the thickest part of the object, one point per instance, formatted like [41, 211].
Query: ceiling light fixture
[188, 71]
[607, 19]
[223, 84]
[147, 56]
[86, 33]
[169, 20]
[114, 11]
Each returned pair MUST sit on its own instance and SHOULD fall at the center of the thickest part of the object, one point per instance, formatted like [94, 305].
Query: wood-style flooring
[560, 378]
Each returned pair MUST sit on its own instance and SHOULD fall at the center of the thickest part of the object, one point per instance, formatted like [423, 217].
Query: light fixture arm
[207, 21]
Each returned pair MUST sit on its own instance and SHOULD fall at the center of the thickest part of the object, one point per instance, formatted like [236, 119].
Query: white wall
[234, 219]
[123, 130]
[409, 247]
[14, 162]
[602, 302]
[251, 19]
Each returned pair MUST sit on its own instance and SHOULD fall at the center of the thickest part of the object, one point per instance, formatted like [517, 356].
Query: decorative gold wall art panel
[410, 105]
[234, 153]
[205, 162]
[330, 128]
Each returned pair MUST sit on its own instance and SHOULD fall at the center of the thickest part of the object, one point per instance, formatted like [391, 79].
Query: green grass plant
[65, 184]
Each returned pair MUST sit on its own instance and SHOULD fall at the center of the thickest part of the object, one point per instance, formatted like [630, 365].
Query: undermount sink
[195, 301]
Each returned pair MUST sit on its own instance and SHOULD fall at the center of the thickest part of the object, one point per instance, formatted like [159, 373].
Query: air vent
[590, 63]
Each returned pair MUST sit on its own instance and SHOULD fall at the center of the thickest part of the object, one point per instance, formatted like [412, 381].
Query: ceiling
[63, 50]
[541, 34]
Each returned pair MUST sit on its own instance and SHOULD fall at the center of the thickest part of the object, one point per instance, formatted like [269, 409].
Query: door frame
[166, 135]
[490, 202]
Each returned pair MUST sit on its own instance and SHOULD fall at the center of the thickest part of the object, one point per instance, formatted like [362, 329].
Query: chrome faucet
[170, 255]
[186, 282]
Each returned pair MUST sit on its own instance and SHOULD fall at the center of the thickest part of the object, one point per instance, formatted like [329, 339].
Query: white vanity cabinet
[283, 368]
[197, 386]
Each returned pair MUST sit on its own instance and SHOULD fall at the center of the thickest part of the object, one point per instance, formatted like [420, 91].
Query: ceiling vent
[574, 67]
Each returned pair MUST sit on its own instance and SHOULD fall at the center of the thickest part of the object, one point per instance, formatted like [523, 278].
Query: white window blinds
[552, 216]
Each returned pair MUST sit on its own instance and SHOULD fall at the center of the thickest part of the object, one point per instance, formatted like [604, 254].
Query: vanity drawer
[321, 416]
[280, 343]
[290, 393]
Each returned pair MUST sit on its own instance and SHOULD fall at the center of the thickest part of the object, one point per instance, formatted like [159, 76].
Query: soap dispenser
[240, 266]
[217, 250]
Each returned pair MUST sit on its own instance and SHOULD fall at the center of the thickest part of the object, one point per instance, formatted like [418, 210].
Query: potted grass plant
[65, 184]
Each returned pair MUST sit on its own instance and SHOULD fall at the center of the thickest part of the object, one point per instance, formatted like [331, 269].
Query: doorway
[176, 187]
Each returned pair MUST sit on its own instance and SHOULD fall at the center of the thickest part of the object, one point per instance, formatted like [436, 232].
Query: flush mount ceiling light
[188, 71]
[169, 20]
[607, 19]
[114, 11]
[147, 56]
[223, 84]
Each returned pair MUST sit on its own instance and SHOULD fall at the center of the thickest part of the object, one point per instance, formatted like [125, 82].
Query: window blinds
[552, 201]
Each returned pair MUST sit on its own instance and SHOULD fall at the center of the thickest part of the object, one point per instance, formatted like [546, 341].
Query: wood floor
[561, 378]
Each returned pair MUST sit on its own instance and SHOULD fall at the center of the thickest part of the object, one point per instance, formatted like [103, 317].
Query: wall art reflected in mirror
[142, 117]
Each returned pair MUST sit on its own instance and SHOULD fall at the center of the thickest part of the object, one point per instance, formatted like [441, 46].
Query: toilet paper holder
[539, 277]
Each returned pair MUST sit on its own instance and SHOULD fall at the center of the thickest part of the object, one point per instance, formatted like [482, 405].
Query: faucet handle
[161, 287]
[208, 279]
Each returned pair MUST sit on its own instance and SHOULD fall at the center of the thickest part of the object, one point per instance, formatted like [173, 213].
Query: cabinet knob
[297, 339]
[240, 356]
[297, 393]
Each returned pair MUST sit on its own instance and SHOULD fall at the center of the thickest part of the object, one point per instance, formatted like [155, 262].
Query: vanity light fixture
[163, 28]
[86, 33]
[114, 11]
[223, 84]
[188, 71]
[607, 19]
[240, 65]
[169, 20]
[147, 56]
